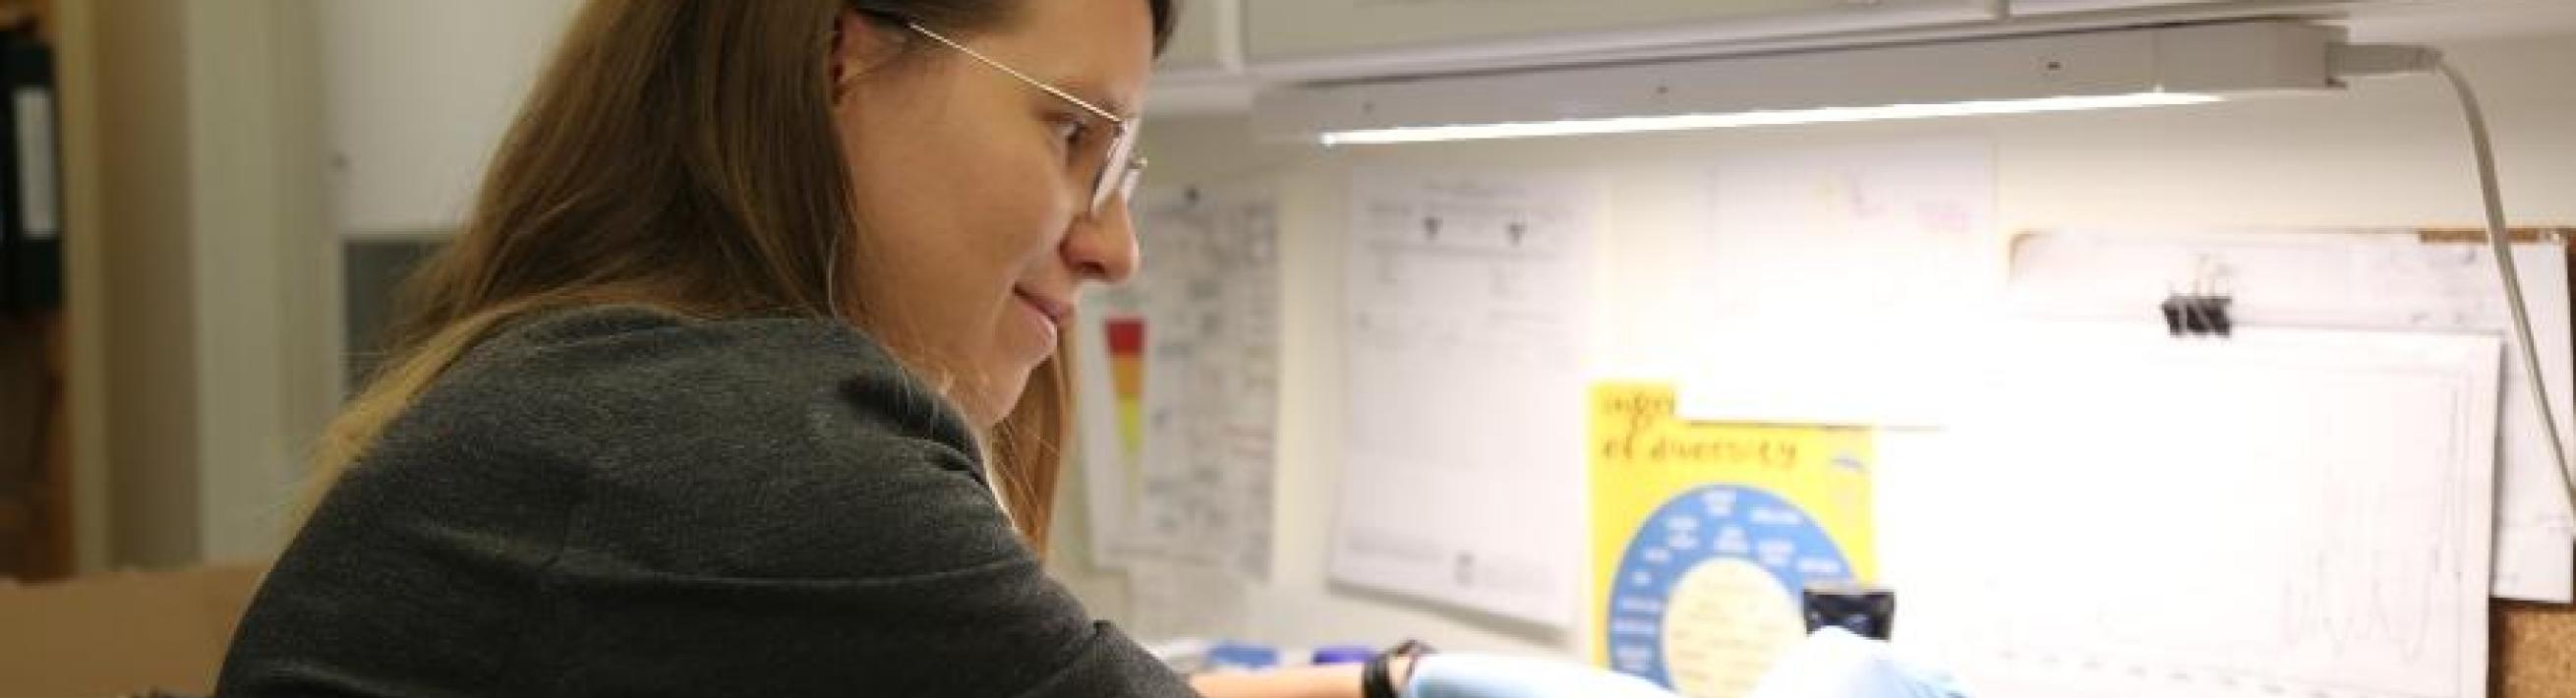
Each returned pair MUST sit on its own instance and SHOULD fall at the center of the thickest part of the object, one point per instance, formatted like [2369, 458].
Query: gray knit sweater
[617, 502]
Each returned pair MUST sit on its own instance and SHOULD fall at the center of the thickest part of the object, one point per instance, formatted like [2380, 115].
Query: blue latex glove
[1834, 663]
[1488, 676]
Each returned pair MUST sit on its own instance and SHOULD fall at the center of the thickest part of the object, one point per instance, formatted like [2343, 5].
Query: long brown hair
[681, 154]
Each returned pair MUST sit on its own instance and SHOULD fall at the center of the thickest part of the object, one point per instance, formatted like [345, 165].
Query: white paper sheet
[1463, 331]
[1211, 389]
[2284, 513]
[2355, 279]
[1191, 483]
[1834, 278]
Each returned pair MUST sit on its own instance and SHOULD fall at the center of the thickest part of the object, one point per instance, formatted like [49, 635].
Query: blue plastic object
[1239, 656]
[1343, 654]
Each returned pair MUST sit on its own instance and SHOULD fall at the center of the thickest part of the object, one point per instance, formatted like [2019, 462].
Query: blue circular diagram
[1695, 557]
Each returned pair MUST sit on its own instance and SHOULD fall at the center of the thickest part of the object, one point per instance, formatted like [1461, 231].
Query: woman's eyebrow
[1091, 91]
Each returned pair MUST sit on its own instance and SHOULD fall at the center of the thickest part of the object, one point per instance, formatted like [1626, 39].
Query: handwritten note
[1835, 278]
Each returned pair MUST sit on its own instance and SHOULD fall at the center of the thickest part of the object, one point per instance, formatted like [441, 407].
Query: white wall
[2391, 153]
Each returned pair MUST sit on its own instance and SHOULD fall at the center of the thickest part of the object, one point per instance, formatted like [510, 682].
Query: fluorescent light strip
[1676, 122]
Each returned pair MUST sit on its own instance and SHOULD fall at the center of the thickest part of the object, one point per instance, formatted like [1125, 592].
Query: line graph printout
[2358, 279]
[2282, 514]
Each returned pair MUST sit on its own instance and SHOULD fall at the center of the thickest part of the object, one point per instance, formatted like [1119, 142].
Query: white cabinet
[416, 95]
[1208, 41]
[2032, 8]
[1306, 38]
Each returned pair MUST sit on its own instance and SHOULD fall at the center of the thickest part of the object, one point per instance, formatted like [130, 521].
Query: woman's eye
[1069, 131]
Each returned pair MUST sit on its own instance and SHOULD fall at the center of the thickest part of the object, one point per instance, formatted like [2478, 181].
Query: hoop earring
[831, 284]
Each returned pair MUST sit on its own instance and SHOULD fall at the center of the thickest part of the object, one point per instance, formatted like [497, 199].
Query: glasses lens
[1128, 181]
[1114, 169]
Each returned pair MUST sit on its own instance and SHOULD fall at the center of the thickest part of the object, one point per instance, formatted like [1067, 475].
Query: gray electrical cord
[2499, 238]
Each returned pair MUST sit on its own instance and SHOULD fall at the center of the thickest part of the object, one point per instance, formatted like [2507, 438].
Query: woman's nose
[1102, 246]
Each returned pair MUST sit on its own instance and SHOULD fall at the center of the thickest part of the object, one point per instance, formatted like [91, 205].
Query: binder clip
[2203, 311]
[2190, 315]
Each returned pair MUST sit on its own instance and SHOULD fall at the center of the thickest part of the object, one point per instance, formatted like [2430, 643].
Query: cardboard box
[121, 634]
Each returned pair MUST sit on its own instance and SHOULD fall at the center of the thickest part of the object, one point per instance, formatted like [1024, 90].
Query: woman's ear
[858, 45]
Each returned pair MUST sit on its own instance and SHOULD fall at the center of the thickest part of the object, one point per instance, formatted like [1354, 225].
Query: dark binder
[31, 206]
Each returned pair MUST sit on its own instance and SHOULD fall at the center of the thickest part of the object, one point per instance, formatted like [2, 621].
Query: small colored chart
[1127, 381]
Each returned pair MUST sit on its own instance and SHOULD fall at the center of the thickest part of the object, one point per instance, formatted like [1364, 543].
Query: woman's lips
[1056, 311]
[1051, 313]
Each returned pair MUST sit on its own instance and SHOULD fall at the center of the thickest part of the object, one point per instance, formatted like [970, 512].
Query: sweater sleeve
[811, 533]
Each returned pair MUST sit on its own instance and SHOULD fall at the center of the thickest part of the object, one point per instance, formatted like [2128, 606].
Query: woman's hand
[1488, 676]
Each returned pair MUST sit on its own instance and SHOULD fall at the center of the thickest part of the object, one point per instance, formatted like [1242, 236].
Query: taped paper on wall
[1463, 328]
[1824, 262]
[1180, 414]
[2354, 279]
[1705, 535]
[2280, 513]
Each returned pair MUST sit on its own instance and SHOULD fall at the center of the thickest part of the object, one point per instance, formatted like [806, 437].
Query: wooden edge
[2544, 234]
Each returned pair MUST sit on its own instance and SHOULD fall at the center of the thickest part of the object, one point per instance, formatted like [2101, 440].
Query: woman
[741, 380]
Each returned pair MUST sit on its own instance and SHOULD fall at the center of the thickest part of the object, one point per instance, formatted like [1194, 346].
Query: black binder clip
[2188, 315]
[2202, 312]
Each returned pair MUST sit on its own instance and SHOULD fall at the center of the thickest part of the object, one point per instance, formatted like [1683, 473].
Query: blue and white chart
[1705, 536]
[1710, 587]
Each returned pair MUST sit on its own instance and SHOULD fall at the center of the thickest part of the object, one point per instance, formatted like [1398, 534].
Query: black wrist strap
[1376, 677]
[1374, 681]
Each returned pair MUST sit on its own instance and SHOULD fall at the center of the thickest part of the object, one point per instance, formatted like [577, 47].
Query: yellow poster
[1705, 534]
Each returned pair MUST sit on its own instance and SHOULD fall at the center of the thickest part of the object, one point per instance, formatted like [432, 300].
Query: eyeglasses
[1119, 171]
